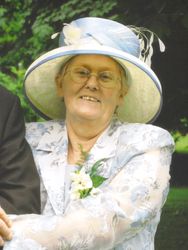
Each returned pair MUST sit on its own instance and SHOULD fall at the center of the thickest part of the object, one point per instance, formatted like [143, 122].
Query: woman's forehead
[94, 60]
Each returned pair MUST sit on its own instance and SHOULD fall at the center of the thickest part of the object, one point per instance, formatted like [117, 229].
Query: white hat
[99, 36]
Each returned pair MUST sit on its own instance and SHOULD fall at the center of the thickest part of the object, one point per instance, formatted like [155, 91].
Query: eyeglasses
[81, 75]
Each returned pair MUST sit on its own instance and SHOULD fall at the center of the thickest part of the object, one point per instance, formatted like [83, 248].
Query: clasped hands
[5, 227]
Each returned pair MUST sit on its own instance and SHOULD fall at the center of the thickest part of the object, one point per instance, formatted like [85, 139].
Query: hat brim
[141, 104]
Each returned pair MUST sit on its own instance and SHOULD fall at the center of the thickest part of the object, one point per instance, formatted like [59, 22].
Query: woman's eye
[82, 73]
[105, 76]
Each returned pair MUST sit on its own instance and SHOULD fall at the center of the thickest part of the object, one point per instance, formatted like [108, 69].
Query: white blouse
[126, 211]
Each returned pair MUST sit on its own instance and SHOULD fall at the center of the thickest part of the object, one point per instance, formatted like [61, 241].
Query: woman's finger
[1, 242]
[5, 231]
[5, 217]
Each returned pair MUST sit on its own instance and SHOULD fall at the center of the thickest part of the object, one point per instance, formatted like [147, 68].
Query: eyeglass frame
[63, 70]
[97, 75]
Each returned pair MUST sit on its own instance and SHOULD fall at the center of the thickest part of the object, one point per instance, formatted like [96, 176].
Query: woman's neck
[82, 136]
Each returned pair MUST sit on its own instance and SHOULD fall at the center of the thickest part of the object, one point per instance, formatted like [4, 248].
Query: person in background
[19, 179]
[104, 171]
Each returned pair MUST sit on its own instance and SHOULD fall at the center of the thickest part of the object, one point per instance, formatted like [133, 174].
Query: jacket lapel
[52, 162]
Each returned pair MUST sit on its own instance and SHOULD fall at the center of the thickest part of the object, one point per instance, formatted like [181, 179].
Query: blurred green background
[26, 27]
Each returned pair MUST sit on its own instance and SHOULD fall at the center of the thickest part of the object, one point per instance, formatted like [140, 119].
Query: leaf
[84, 154]
[97, 180]
[84, 193]
[95, 166]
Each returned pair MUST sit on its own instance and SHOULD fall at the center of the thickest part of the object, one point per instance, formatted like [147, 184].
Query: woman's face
[84, 95]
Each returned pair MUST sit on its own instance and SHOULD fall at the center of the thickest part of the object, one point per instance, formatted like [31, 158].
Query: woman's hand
[5, 227]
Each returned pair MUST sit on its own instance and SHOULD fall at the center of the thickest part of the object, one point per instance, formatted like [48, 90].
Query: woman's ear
[59, 83]
[122, 94]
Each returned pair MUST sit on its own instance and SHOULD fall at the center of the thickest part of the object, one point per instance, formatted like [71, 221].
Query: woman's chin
[89, 115]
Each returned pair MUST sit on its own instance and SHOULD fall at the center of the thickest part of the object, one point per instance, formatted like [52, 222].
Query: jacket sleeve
[19, 180]
[126, 204]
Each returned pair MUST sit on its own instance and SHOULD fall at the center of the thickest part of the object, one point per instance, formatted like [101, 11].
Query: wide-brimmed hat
[99, 36]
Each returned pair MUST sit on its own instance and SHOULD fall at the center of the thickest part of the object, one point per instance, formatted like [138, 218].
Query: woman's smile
[89, 98]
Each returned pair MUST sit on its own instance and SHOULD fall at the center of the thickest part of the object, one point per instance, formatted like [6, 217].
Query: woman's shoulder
[140, 128]
[43, 125]
[144, 134]
[35, 130]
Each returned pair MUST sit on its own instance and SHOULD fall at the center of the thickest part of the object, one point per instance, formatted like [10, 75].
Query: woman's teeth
[89, 98]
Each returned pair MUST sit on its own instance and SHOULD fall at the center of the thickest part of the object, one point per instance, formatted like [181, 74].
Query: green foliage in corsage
[83, 183]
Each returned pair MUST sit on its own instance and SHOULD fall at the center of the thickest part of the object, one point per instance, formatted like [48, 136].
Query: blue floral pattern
[126, 212]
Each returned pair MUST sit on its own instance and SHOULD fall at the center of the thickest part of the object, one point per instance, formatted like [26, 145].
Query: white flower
[80, 182]
[72, 34]
[75, 194]
[84, 184]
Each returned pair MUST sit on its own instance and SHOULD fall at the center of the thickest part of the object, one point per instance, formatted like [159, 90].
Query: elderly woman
[104, 172]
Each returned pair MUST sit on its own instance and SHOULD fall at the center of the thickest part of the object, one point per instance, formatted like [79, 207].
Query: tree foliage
[26, 26]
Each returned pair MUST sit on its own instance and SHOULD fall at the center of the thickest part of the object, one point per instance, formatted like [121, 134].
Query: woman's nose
[92, 82]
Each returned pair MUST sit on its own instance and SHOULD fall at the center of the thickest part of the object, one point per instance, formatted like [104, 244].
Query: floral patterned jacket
[126, 212]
